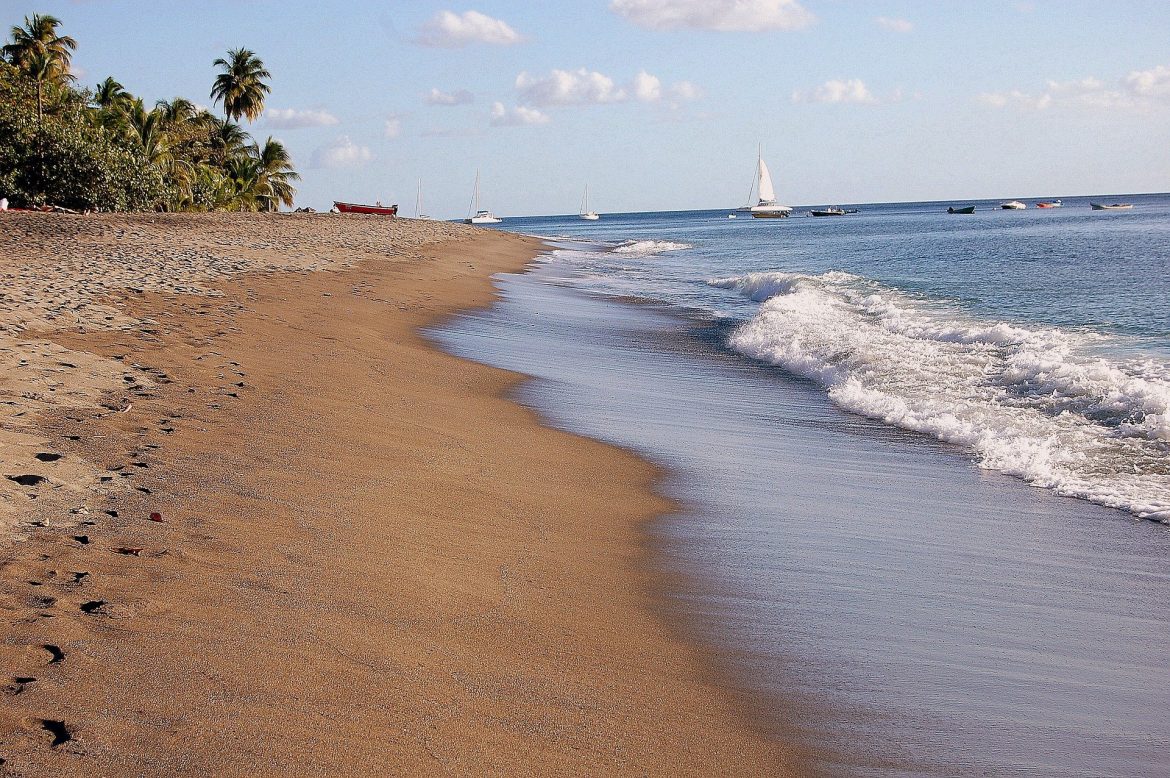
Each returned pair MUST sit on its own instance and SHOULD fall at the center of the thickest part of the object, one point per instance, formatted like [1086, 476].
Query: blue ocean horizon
[910, 448]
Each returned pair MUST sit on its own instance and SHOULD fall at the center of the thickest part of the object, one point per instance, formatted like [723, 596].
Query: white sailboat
[477, 215]
[418, 214]
[767, 207]
[586, 214]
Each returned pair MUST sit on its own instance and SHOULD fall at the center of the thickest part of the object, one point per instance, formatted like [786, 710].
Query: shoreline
[403, 571]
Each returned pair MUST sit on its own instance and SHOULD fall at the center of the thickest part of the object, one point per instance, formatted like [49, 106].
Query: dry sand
[370, 562]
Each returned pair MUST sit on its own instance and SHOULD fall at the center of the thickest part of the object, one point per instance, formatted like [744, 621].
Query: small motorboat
[1050, 204]
[964, 209]
[832, 210]
[1013, 205]
[1111, 207]
[379, 209]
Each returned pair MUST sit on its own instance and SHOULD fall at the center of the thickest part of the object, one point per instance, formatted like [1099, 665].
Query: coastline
[370, 559]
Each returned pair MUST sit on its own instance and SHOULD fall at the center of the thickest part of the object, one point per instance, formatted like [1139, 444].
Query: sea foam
[1040, 403]
[645, 248]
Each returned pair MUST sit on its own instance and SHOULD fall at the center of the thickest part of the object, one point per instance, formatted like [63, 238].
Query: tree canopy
[106, 149]
[241, 87]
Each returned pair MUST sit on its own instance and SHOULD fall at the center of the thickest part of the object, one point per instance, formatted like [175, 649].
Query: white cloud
[719, 15]
[588, 87]
[685, 90]
[894, 25]
[519, 116]
[1152, 84]
[458, 97]
[1138, 90]
[647, 88]
[451, 30]
[341, 153]
[852, 90]
[293, 119]
[393, 127]
[565, 87]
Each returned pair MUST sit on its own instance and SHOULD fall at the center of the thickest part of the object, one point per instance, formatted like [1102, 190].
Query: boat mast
[418, 201]
[755, 174]
[474, 196]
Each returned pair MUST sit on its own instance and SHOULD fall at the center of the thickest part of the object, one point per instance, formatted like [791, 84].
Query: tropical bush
[106, 150]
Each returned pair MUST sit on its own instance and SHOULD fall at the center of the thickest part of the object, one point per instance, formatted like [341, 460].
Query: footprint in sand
[28, 479]
[61, 734]
[19, 684]
[55, 652]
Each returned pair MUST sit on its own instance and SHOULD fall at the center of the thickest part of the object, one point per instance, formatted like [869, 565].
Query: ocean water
[925, 460]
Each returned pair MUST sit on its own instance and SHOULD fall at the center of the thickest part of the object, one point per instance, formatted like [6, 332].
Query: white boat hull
[771, 212]
[483, 220]
[590, 217]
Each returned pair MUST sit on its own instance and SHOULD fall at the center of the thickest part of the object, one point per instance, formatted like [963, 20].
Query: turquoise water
[855, 412]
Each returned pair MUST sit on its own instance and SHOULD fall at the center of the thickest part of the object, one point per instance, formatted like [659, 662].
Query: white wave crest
[646, 248]
[1034, 402]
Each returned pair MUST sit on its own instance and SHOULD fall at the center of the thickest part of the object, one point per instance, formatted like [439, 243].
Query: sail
[767, 194]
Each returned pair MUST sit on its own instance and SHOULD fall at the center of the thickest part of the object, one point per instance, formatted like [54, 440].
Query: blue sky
[659, 104]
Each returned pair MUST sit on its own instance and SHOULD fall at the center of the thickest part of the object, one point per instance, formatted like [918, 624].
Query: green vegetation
[104, 149]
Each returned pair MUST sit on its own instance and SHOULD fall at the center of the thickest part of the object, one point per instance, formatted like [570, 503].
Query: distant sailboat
[477, 215]
[767, 207]
[586, 214]
[418, 214]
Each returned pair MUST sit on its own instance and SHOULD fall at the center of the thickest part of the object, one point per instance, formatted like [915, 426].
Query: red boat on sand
[381, 210]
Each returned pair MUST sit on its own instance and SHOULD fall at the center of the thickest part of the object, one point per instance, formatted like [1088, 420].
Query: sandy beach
[254, 524]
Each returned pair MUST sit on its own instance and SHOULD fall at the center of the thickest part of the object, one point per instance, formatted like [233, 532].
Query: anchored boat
[481, 215]
[767, 207]
[586, 214]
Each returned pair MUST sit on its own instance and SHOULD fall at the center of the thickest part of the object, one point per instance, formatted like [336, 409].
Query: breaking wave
[645, 248]
[1034, 402]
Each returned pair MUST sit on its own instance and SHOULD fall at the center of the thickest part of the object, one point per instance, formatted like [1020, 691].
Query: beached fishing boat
[477, 215]
[378, 208]
[832, 210]
[1013, 205]
[964, 209]
[767, 207]
[1050, 204]
[586, 214]
[1111, 207]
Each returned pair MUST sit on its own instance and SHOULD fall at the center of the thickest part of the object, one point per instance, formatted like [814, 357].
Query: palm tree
[38, 42]
[147, 130]
[240, 87]
[39, 66]
[176, 112]
[228, 139]
[247, 182]
[110, 94]
[276, 169]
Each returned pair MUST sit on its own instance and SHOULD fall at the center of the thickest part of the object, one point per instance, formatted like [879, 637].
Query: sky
[661, 104]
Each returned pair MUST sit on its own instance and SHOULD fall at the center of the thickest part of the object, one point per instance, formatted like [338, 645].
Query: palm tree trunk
[40, 102]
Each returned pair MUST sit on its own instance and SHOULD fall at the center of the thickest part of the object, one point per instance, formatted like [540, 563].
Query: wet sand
[369, 561]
